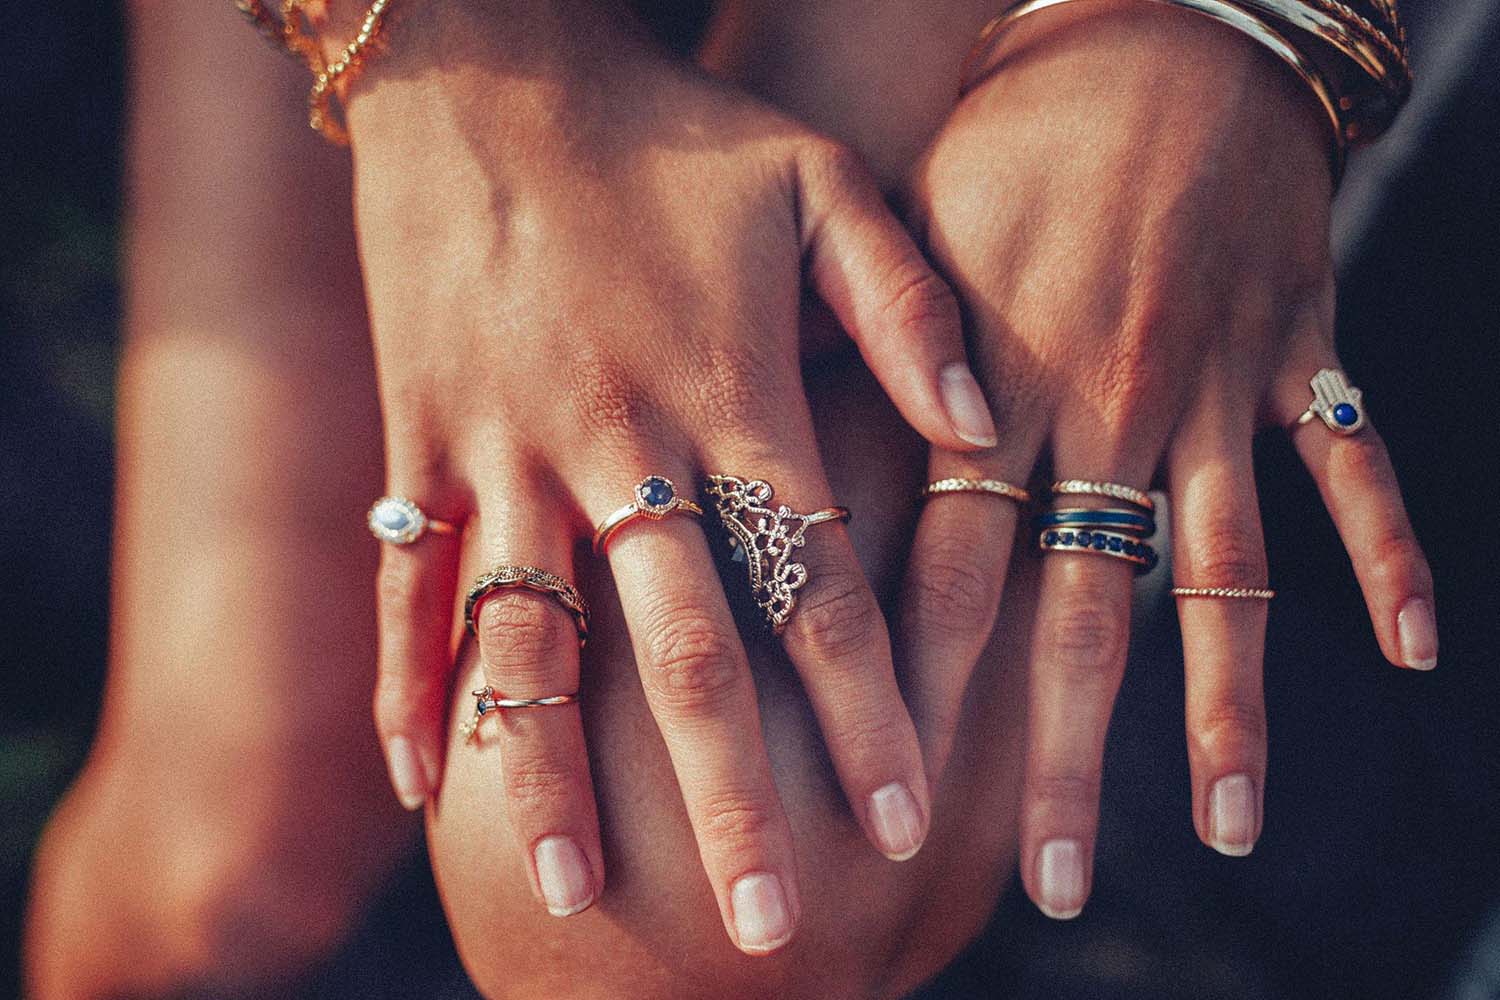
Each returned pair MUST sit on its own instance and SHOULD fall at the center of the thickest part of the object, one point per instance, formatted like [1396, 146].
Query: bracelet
[288, 33]
[1222, 11]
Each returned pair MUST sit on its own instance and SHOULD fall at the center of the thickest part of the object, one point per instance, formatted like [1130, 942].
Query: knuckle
[734, 822]
[606, 400]
[951, 591]
[402, 594]
[873, 735]
[1087, 641]
[920, 300]
[521, 634]
[692, 664]
[1232, 729]
[1396, 563]
[1235, 557]
[537, 785]
[1069, 789]
[837, 616]
[736, 390]
[836, 165]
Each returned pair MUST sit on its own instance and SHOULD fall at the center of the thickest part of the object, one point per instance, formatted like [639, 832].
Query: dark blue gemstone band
[1104, 543]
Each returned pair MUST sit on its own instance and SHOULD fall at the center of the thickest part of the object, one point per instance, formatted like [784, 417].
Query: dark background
[1379, 872]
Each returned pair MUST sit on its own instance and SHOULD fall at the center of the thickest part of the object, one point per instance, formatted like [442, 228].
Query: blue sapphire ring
[1335, 402]
[400, 522]
[655, 498]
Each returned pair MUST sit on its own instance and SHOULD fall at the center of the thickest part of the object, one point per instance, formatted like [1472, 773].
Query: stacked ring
[1128, 521]
[997, 487]
[1112, 531]
[1110, 491]
[655, 498]
[1105, 543]
[529, 578]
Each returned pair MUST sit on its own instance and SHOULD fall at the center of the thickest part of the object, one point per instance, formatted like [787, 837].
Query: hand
[583, 266]
[1134, 211]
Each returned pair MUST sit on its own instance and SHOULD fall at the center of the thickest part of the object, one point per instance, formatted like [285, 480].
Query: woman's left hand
[1134, 210]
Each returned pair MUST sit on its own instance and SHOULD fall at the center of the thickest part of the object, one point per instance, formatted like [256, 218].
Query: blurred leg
[234, 815]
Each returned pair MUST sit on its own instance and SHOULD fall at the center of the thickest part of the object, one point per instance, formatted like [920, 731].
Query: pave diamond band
[996, 487]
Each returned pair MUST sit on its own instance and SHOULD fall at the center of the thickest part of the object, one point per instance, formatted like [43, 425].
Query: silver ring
[398, 521]
[1335, 402]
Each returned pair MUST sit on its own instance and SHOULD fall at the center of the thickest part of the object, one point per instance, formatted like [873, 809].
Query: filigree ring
[767, 538]
[655, 498]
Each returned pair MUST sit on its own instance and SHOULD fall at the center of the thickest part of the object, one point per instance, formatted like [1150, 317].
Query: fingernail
[897, 821]
[967, 410]
[564, 875]
[1059, 871]
[761, 917]
[1231, 815]
[1416, 630]
[406, 772]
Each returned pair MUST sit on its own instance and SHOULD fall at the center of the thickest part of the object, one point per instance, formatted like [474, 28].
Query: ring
[400, 522]
[655, 498]
[766, 538]
[1111, 491]
[998, 487]
[486, 702]
[1104, 543]
[1231, 593]
[1128, 521]
[529, 578]
[1335, 401]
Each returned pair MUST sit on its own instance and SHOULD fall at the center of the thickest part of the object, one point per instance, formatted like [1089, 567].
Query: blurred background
[1402, 901]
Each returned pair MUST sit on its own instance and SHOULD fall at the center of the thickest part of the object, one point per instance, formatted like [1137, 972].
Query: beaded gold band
[997, 487]
[1226, 593]
[655, 498]
[533, 579]
[1110, 491]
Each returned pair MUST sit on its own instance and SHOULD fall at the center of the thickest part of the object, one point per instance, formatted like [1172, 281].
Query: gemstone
[1085, 538]
[395, 520]
[1067, 538]
[1345, 415]
[1129, 548]
[1115, 544]
[1051, 538]
[655, 491]
[1100, 542]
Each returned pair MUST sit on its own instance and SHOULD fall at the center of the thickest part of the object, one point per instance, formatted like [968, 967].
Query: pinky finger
[1358, 485]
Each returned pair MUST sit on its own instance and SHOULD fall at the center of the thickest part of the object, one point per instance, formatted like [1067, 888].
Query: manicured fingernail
[406, 772]
[1416, 629]
[967, 411]
[564, 875]
[897, 821]
[1059, 870]
[1231, 815]
[762, 919]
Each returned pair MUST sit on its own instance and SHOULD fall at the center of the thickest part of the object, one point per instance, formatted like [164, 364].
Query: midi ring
[1110, 491]
[486, 702]
[655, 498]
[994, 486]
[1335, 402]
[1227, 593]
[533, 579]
[766, 538]
[400, 522]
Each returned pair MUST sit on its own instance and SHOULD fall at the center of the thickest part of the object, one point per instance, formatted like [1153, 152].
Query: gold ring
[655, 498]
[995, 486]
[486, 701]
[1110, 491]
[1228, 593]
[398, 521]
[533, 579]
[767, 537]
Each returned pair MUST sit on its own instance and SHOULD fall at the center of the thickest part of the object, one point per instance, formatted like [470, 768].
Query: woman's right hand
[583, 267]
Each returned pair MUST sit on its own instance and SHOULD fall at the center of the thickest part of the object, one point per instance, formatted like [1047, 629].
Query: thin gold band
[1226, 593]
[1110, 491]
[996, 487]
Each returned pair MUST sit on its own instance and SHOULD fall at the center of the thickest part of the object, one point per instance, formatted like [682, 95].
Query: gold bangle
[1218, 10]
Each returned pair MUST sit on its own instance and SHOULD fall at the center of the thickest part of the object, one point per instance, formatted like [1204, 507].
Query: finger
[1358, 485]
[836, 637]
[1078, 658]
[528, 646]
[895, 307]
[414, 590]
[953, 584]
[1217, 542]
[697, 682]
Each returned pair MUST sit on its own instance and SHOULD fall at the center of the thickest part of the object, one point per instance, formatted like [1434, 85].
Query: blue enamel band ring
[398, 521]
[486, 701]
[1104, 543]
[1128, 521]
[655, 498]
[1335, 402]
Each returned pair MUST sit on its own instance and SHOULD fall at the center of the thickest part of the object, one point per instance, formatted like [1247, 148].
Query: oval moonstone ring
[398, 521]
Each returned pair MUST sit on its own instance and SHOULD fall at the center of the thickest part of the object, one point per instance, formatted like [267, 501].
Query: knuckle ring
[533, 579]
[655, 498]
[1335, 402]
[1226, 593]
[398, 521]
[1119, 533]
[486, 701]
[997, 487]
[766, 538]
